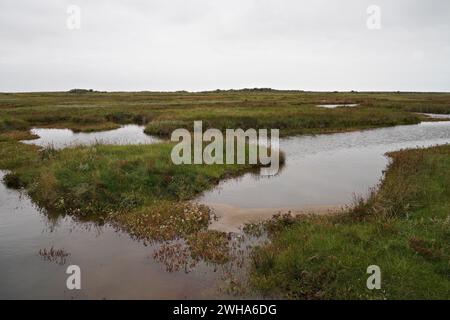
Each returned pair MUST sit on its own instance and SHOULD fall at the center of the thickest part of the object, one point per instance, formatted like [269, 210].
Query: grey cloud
[209, 44]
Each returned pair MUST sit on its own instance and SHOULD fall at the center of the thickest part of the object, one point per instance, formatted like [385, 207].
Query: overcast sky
[208, 44]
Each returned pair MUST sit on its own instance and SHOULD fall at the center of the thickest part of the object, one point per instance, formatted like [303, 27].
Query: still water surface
[62, 138]
[327, 169]
[334, 106]
[113, 265]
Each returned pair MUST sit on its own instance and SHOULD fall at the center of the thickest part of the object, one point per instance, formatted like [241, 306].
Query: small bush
[13, 124]
[13, 181]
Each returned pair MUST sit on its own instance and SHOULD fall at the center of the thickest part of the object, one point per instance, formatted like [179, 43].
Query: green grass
[404, 228]
[102, 178]
[136, 186]
[290, 120]
[294, 112]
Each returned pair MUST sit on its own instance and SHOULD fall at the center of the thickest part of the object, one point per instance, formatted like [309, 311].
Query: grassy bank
[294, 112]
[136, 186]
[404, 228]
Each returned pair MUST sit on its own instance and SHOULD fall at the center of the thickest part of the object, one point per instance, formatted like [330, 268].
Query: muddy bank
[231, 219]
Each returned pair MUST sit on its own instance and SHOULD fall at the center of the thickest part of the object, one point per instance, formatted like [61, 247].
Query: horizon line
[261, 89]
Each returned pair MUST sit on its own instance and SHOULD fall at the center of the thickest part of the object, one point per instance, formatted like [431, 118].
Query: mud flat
[231, 219]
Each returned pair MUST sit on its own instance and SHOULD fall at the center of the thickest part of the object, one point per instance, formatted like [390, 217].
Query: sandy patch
[231, 219]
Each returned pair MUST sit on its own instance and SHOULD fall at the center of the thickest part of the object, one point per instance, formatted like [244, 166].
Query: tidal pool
[334, 106]
[63, 138]
[436, 115]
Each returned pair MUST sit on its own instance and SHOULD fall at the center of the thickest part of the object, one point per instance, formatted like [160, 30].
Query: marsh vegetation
[139, 189]
[403, 227]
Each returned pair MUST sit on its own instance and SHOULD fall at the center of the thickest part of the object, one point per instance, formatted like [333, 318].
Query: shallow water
[62, 138]
[326, 169]
[436, 115]
[112, 264]
[334, 106]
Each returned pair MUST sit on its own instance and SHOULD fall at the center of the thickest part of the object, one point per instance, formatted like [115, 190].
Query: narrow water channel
[321, 172]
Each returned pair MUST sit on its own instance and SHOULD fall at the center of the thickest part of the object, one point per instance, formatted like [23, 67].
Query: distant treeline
[81, 91]
[246, 90]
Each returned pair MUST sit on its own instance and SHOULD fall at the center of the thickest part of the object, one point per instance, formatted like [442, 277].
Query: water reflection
[327, 169]
[62, 138]
[334, 106]
[113, 265]
[436, 115]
